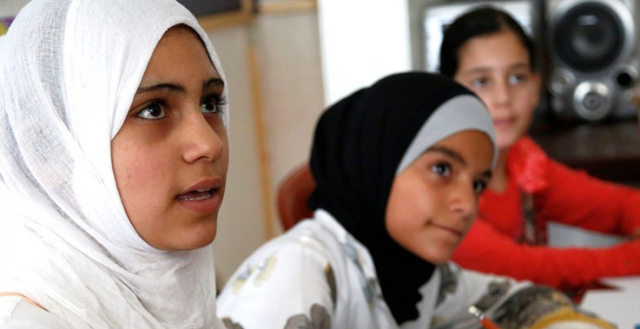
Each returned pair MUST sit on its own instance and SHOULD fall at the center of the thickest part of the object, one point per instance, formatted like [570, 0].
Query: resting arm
[577, 199]
[485, 249]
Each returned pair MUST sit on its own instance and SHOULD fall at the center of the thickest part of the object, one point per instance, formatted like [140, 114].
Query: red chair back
[293, 192]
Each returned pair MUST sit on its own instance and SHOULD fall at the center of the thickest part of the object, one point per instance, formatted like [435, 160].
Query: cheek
[130, 163]
[528, 100]
[222, 134]
[138, 171]
[486, 96]
[526, 107]
[410, 206]
[469, 222]
[395, 216]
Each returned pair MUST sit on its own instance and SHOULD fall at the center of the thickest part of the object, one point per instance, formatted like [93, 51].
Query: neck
[499, 179]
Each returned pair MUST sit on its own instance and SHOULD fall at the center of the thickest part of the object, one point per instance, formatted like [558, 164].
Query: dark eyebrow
[519, 65]
[487, 174]
[448, 152]
[214, 82]
[476, 70]
[161, 86]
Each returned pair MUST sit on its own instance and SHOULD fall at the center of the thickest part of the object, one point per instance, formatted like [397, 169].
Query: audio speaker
[593, 52]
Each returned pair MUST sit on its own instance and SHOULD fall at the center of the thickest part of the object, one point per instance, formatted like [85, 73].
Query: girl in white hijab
[113, 161]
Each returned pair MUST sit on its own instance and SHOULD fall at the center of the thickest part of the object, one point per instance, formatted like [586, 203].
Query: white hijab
[69, 70]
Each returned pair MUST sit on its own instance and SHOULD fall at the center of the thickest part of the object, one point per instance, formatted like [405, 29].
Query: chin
[201, 243]
[201, 237]
[437, 258]
[439, 261]
[202, 240]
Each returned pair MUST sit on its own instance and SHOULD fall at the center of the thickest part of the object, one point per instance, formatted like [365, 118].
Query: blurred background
[286, 60]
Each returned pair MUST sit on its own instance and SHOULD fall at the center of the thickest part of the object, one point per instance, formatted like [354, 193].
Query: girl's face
[497, 68]
[434, 201]
[170, 157]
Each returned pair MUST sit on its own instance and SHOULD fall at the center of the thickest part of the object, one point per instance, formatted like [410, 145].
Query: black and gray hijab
[361, 144]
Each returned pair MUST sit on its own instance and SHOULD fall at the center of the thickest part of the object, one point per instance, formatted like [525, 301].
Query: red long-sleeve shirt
[569, 197]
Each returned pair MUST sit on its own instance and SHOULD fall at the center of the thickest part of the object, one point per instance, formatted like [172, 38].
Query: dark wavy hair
[481, 21]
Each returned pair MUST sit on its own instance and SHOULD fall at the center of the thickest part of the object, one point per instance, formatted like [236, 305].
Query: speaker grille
[589, 37]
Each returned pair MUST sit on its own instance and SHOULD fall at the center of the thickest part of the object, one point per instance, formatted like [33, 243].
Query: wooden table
[617, 302]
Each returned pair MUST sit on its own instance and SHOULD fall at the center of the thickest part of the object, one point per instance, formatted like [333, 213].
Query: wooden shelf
[609, 151]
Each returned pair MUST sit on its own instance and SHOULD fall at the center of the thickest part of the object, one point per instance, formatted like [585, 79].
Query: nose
[463, 201]
[502, 93]
[201, 140]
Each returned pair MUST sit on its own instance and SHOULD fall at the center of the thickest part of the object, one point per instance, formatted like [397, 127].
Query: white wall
[361, 42]
[290, 86]
[289, 51]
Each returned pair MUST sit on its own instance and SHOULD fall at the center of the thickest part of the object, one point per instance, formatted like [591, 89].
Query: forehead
[180, 31]
[179, 53]
[471, 147]
[501, 49]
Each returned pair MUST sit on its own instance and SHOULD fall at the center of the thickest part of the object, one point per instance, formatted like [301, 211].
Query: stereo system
[590, 50]
[593, 46]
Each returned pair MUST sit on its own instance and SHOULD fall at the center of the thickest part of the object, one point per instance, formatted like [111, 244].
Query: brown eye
[480, 82]
[153, 111]
[212, 104]
[517, 78]
[441, 169]
[479, 186]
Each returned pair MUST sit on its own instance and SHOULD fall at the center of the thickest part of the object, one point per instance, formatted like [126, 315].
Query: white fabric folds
[69, 70]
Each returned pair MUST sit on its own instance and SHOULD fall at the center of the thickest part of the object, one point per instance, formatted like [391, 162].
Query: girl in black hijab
[399, 167]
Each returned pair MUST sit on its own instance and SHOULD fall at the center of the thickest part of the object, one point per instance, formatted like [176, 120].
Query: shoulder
[16, 313]
[296, 255]
[527, 165]
[319, 238]
[287, 281]
[307, 239]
